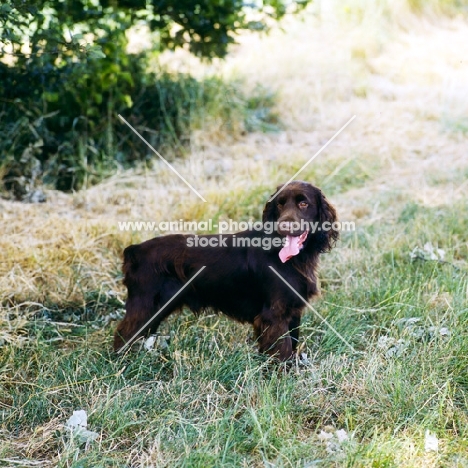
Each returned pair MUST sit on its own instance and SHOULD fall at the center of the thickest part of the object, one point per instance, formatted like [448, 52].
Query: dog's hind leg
[145, 312]
[139, 311]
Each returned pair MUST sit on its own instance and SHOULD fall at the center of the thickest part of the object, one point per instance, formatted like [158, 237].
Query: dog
[244, 280]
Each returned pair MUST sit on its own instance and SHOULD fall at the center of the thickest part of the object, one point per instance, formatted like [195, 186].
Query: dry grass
[404, 77]
[405, 85]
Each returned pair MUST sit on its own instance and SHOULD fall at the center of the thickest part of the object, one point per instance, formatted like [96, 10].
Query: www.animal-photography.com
[234, 234]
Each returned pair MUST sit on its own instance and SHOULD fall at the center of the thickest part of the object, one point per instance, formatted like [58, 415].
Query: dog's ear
[327, 217]
[270, 212]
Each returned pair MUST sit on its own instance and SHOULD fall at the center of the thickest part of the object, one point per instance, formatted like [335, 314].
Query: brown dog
[237, 279]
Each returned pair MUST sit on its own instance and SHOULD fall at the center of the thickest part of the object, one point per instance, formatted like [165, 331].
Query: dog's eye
[303, 204]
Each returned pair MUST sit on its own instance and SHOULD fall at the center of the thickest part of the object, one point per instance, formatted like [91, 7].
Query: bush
[61, 126]
[62, 94]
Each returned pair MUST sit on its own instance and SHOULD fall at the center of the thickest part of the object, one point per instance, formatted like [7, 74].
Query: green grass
[334, 176]
[209, 399]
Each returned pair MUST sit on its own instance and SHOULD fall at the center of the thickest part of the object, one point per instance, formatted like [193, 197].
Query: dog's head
[303, 215]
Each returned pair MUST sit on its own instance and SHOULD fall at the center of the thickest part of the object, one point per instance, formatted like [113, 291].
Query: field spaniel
[238, 278]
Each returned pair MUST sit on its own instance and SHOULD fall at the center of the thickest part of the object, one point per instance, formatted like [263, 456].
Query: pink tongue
[293, 246]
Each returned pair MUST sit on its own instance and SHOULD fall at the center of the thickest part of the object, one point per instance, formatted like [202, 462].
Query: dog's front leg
[294, 324]
[271, 329]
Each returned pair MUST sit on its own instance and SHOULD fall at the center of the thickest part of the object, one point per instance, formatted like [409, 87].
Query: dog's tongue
[292, 247]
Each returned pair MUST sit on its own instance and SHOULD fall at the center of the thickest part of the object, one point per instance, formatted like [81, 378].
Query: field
[396, 288]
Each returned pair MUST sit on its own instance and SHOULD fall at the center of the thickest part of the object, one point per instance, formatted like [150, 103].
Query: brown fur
[237, 280]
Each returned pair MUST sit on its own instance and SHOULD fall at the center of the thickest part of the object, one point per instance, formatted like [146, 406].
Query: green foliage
[65, 76]
[205, 27]
[68, 133]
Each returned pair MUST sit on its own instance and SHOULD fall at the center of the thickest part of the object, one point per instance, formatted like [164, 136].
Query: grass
[207, 398]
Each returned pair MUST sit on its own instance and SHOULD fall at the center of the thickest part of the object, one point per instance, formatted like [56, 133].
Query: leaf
[77, 424]
[341, 435]
[5, 9]
[323, 436]
[78, 419]
[428, 252]
[444, 331]
[149, 343]
[94, 52]
[431, 442]
[128, 100]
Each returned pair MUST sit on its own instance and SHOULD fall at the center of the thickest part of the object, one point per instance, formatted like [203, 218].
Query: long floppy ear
[327, 214]
[270, 212]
